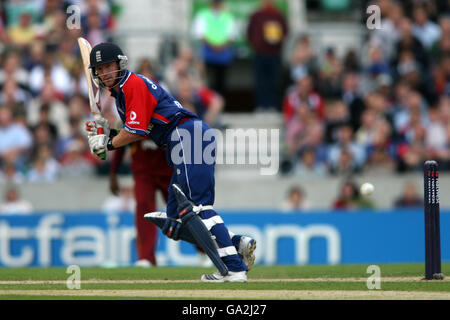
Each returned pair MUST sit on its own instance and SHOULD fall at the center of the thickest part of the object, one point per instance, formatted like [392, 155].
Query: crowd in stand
[385, 108]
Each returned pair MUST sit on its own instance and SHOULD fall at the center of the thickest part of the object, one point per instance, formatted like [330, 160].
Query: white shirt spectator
[13, 204]
[427, 34]
[59, 77]
[16, 207]
[46, 171]
[14, 136]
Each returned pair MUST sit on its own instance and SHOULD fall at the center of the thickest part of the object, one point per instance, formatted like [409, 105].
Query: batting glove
[98, 144]
[103, 123]
[172, 229]
[90, 128]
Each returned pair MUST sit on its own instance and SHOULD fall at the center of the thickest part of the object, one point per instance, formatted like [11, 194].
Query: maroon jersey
[146, 159]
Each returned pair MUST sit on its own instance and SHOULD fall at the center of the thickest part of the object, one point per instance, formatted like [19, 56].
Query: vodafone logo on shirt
[133, 117]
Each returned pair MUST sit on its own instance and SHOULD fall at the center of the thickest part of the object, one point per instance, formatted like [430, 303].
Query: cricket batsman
[148, 111]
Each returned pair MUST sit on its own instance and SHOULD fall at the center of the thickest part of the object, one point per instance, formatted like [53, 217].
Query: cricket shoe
[143, 263]
[246, 250]
[239, 276]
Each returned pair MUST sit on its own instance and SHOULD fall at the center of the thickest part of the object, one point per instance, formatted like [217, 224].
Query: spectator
[45, 168]
[50, 72]
[409, 197]
[389, 34]
[303, 58]
[203, 101]
[15, 139]
[441, 47]
[22, 34]
[337, 114]
[351, 96]
[308, 166]
[296, 200]
[436, 140]
[13, 204]
[10, 174]
[215, 28]
[330, 74]
[350, 199]
[303, 94]
[13, 69]
[12, 93]
[77, 162]
[409, 42]
[345, 153]
[185, 64]
[57, 110]
[425, 30]
[266, 32]
[123, 200]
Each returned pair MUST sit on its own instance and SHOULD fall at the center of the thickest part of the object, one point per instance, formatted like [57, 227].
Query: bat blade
[93, 88]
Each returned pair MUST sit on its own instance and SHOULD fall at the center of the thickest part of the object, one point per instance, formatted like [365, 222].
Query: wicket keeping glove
[172, 229]
[98, 144]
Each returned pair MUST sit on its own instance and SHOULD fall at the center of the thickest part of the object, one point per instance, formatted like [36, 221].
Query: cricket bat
[93, 88]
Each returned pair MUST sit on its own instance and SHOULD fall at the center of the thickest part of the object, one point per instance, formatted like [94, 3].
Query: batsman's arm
[123, 138]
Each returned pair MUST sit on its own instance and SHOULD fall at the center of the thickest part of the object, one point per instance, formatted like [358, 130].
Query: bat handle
[103, 155]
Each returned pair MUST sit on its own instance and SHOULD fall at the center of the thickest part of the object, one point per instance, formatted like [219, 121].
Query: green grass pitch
[399, 281]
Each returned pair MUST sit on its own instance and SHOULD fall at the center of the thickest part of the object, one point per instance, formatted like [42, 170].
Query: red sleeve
[139, 104]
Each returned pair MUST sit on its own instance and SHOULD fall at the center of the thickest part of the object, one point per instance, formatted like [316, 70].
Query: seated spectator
[204, 102]
[441, 47]
[77, 161]
[13, 204]
[185, 64]
[303, 58]
[296, 200]
[307, 166]
[345, 151]
[441, 75]
[45, 168]
[15, 139]
[13, 69]
[350, 199]
[352, 97]
[337, 114]
[330, 73]
[436, 139]
[303, 94]
[12, 93]
[23, 34]
[380, 149]
[50, 72]
[425, 30]
[95, 32]
[409, 42]
[9, 174]
[125, 201]
[58, 113]
[409, 197]
[389, 34]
